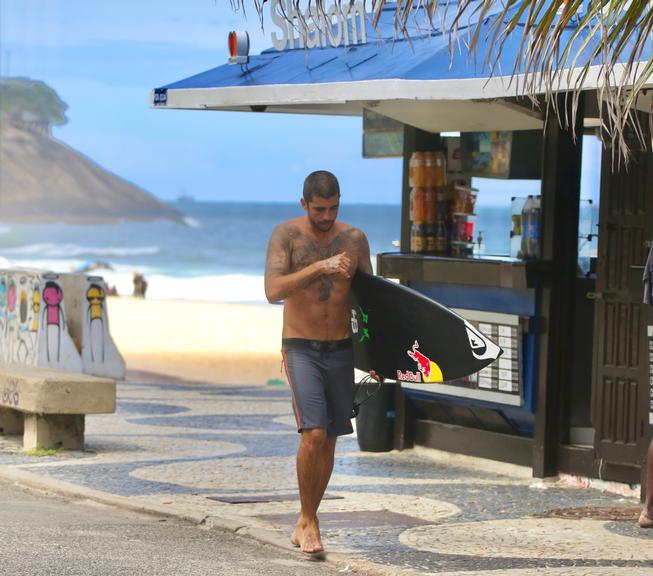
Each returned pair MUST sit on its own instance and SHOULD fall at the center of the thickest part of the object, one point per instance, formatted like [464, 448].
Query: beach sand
[203, 341]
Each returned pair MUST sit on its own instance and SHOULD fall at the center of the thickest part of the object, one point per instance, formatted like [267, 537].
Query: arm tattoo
[364, 261]
[280, 250]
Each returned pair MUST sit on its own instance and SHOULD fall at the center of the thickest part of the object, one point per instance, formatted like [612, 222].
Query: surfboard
[404, 335]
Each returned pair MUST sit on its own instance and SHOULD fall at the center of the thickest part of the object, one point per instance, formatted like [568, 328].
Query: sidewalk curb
[237, 526]
[75, 492]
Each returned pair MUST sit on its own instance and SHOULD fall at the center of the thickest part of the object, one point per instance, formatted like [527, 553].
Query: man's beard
[322, 227]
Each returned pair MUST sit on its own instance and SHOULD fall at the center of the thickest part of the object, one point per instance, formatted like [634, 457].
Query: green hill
[22, 99]
[43, 180]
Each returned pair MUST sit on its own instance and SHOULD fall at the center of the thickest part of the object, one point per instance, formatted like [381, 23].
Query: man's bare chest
[304, 251]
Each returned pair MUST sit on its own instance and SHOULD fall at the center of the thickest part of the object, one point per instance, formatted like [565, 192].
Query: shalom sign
[314, 28]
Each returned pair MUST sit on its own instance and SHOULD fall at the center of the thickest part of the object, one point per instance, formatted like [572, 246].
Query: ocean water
[219, 255]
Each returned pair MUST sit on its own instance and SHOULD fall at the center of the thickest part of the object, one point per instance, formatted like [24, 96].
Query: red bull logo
[429, 371]
[423, 362]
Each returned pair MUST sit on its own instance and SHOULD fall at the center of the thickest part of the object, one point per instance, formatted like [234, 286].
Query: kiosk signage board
[336, 26]
[383, 137]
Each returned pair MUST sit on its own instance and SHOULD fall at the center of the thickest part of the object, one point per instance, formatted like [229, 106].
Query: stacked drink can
[441, 213]
[463, 219]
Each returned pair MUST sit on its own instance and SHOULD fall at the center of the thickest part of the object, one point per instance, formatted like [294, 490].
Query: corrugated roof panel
[382, 57]
[419, 67]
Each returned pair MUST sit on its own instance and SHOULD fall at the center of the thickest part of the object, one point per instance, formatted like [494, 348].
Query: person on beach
[310, 263]
[140, 285]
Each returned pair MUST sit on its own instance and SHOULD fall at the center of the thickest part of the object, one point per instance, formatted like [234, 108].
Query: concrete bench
[48, 406]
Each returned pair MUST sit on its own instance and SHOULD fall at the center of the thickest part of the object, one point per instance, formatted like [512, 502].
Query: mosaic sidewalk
[224, 456]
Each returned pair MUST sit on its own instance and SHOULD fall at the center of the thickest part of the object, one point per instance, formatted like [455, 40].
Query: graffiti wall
[57, 321]
[87, 306]
[33, 327]
[20, 316]
[55, 345]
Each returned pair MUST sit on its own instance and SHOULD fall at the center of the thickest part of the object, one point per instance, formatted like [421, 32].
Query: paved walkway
[224, 456]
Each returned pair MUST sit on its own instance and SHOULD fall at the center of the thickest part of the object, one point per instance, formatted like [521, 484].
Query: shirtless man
[311, 260]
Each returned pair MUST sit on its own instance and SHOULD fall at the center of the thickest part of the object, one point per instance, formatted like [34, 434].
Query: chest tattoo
[306, 250]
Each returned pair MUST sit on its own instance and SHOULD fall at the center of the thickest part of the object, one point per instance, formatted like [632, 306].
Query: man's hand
[338, 264]
[376, 376]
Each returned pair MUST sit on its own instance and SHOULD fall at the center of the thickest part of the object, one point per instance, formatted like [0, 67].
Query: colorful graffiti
[99, 353]
[40, 326]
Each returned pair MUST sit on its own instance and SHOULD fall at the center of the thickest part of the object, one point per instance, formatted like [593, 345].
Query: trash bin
[375, 423]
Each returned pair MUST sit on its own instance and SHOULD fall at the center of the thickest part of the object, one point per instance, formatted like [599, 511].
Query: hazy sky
[103, 58]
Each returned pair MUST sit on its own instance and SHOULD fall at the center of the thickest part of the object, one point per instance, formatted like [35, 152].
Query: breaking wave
[49, 250]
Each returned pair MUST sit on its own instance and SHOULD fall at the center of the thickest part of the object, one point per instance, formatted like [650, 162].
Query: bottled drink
[525, 222]
[515, 236]
[417, 238]
[534, 230]
[440, 237]
[440, 170]
[411, 205]
[429, 170]
[429, 205]
[458, 228]
[430, 231]
[530, 228]
[440, 200]
[417, 170]
[417, 205]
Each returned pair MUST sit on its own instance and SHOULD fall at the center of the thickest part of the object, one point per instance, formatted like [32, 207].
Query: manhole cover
[613, 514]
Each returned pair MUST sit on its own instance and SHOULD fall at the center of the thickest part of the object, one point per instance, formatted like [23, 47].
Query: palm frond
[561, 44]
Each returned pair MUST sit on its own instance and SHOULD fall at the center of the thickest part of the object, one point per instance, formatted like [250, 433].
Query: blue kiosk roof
[414, 79]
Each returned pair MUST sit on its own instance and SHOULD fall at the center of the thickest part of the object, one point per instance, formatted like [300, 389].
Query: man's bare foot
[646, 519]
[306, 536]
[294, 539]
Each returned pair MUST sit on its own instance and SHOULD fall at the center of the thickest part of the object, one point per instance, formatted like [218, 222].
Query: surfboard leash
[363, 385]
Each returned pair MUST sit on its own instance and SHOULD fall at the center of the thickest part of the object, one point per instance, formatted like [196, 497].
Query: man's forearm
[279, 287]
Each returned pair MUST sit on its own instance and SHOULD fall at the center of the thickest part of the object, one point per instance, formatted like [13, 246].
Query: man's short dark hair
[320, 183]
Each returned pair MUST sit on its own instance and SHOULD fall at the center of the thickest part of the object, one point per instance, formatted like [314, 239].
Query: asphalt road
[43, 534]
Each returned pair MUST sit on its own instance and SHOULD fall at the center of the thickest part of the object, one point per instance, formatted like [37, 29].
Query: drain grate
[261, 498]
[613, 514]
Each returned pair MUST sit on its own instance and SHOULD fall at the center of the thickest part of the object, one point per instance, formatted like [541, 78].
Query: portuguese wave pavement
[223, 457]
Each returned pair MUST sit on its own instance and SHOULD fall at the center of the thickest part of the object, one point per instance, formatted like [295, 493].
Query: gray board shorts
[321, 377]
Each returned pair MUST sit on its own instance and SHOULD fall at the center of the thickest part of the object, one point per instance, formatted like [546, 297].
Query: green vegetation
[22, 99]
[43, 451]
[275, 382]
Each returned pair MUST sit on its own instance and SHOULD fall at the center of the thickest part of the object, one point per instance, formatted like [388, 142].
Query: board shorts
[321, 377]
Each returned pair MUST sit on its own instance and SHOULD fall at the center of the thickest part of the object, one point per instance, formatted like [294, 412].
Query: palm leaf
[612, 34]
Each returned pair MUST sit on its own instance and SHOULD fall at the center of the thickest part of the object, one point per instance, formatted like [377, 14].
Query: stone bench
[48, 406]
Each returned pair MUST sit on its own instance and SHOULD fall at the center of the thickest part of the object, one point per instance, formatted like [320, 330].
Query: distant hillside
[25, 100]
[43, 180]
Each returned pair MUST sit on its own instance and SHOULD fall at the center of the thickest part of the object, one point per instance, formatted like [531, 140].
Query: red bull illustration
[423, 362]
[429, 370]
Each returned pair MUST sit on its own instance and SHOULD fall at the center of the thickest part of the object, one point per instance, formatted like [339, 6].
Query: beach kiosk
[574, 391]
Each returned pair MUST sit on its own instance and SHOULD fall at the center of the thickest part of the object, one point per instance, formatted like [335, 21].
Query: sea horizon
[219, 255]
